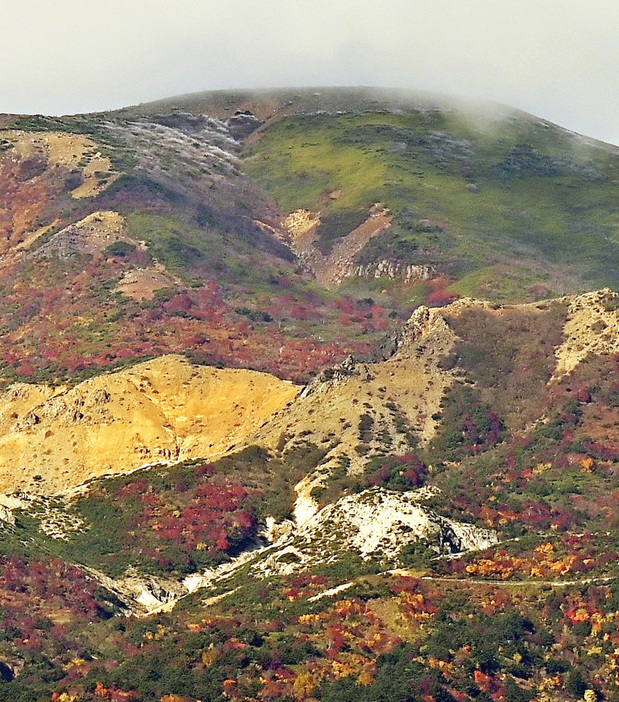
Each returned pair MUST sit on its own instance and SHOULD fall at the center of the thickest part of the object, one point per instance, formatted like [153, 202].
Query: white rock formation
[376, 523]
[379, 522]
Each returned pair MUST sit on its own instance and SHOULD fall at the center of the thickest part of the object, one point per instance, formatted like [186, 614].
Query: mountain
[307, 395]
[283, 230]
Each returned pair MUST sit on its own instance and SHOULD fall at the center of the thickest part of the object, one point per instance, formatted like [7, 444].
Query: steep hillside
[127, 239]
[283, 230]
[405, 547]
[508, 363]
[159, 411]
[503, 206]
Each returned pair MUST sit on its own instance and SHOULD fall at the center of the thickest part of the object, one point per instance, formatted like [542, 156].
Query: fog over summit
[556, 59]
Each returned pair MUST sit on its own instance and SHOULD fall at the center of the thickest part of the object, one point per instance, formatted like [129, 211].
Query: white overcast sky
[556, 58]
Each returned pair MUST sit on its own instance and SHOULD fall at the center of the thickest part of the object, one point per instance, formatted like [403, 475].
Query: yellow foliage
[541, 468]
[66, 697]
[587, 464]
[581, 615]
[365, 678]
[597, 619]
[76, 662]
[346, 607]
[311, 618]
[341, 670]
[210, 655]
[546, 548]
[304, 685]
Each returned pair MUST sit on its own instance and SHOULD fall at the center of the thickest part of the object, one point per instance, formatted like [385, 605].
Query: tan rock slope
[301, 232]
[592, 328]
[161, 410]
[360, 409]
[88, 236]
[411, 383]
[167, 409]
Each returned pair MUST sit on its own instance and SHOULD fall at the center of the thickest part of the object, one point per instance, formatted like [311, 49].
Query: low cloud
[555, 58]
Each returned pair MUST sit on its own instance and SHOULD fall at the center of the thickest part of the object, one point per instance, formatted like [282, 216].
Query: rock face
[392, 270]
[301, 233]
[376, 524]
[403, 391]
[592, 328]
[162, 410]
[86, 237]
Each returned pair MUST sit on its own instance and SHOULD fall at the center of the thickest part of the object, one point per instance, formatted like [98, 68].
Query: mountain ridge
[322, 412]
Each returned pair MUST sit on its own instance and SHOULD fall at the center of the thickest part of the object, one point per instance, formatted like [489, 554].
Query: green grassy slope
[498, 206]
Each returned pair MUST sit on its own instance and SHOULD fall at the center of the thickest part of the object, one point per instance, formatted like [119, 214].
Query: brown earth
[143, 283]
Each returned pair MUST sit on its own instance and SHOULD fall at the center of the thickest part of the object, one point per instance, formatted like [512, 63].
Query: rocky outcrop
[302, 228]
[376, 524]
[398, 397]
[592, 328]
[392, 270]
[89, 236]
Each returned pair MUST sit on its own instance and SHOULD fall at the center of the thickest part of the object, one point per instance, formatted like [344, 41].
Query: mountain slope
[159, 411]
[508, 533]
[498, 206]
[257, 441]
[408, 199]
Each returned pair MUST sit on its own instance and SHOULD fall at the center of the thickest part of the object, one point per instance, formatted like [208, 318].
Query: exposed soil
[302, 228]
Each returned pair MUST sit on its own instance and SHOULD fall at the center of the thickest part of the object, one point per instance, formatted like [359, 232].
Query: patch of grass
[337, 225]
[464, 198]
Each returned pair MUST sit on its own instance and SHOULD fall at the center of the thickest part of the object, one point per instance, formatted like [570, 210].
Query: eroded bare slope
[167, 409]
[162, 410]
